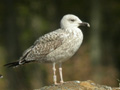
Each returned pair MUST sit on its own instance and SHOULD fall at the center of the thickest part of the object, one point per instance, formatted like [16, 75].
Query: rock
[78, 85]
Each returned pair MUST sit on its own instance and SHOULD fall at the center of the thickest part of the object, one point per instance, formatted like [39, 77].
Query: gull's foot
[61, 82]
[56, 83]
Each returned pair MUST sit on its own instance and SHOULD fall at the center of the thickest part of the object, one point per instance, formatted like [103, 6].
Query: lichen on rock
[78, 85]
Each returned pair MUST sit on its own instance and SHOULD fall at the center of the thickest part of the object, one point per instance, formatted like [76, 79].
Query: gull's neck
[71, 29]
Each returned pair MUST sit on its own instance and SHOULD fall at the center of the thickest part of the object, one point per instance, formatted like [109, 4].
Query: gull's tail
[17, 63]
[12, 64]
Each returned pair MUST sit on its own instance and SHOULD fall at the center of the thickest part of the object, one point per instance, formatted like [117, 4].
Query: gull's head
[71, 21]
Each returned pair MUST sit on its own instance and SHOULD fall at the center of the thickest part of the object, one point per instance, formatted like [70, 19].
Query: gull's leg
[54, 76]
[60, 71]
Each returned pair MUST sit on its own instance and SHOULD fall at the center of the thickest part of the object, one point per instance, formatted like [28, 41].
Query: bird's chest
[73, 41]
[71, 44]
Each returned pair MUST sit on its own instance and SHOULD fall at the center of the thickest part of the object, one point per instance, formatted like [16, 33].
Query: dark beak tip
[84, 24]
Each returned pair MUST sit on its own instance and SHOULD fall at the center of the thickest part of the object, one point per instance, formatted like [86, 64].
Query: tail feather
[12, 64]
[17, 63]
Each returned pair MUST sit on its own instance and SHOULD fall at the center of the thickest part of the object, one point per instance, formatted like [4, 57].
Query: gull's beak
[84, 24]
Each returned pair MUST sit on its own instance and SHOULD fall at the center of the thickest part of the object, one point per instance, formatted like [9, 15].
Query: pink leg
[60, 71]
[54, 76]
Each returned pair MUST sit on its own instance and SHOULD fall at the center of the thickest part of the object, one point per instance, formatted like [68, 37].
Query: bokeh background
[23, 21]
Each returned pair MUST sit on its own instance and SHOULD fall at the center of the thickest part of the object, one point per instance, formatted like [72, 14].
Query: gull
[56, 46]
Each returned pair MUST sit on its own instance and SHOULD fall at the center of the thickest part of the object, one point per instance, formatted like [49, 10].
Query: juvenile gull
[56, 46]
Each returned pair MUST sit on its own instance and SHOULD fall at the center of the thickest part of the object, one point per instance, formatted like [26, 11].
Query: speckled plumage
[56, 46]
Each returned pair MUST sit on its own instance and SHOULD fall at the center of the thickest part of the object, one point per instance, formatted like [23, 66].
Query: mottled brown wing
[43, 46]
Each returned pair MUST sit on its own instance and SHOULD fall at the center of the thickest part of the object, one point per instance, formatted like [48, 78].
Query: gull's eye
[72, 20]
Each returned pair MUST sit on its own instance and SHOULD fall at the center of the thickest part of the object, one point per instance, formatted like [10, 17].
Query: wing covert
[43, 46]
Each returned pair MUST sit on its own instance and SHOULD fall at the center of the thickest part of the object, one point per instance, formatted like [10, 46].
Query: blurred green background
[23, 21]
